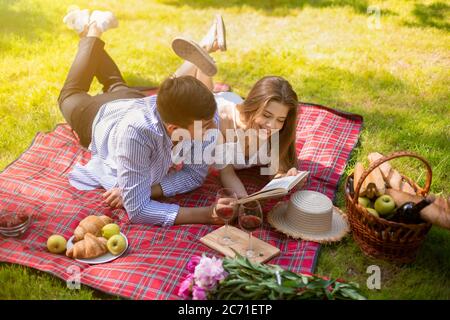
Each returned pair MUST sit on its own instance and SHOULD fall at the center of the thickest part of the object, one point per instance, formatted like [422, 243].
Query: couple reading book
[130, 135]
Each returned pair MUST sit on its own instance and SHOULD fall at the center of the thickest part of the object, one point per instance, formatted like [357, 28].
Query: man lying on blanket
[129, 134]
[131, 152]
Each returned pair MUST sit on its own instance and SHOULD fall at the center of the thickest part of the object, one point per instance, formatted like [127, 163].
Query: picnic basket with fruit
[389, 214]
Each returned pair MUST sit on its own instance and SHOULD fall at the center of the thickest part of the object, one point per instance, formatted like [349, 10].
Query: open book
[276, 187]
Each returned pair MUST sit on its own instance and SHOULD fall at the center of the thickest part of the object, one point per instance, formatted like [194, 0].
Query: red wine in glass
[225, 208]
[250, 219]
[250, 223]
[225, 213]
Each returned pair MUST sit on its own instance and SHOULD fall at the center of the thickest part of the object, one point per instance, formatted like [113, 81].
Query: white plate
[107, 257]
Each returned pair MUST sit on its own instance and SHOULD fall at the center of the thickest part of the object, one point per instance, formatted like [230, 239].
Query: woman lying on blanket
[271, 105]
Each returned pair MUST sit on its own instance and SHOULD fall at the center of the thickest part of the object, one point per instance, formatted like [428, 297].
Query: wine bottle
[349, 188]
[409, 212]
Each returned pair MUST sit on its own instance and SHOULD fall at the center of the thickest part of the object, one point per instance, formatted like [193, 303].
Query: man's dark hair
[182, 100]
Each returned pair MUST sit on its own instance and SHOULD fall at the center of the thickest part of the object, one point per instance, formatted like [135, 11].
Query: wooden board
[264, 251]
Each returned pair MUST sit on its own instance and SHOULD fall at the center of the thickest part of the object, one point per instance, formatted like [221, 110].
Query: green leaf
[252, 280]
[290, 283]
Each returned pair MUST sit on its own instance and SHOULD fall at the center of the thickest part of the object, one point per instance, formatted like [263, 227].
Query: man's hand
[113, 198]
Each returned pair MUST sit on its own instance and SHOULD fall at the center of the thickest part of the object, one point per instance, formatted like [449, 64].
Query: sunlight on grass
[397, 77]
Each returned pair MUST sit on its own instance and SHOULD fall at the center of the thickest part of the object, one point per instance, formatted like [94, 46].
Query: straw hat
[309, 215]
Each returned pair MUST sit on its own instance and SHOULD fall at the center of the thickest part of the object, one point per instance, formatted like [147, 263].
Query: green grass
[397, 77]
[19, 282]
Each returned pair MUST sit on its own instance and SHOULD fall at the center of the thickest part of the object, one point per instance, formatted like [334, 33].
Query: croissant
[90, 247]
[91, 224]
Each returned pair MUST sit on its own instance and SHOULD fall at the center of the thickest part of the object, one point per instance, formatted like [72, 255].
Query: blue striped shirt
[131, 149]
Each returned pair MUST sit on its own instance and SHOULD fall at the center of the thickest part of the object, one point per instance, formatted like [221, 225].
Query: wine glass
[250, 219]
[225, 209]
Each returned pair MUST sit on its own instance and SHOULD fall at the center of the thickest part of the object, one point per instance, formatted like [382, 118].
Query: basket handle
[394, 155]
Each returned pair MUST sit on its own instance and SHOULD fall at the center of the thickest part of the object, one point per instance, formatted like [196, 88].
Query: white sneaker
[104, 20]
[77, 20]
[192, 52]
[215, 39]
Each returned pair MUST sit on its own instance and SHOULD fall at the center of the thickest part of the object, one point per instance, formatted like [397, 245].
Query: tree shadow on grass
[272, 7]
[435, 15]
[324, 85]
[20, 23]
[395, 125]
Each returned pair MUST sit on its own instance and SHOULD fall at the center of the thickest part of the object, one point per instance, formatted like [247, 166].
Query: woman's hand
[113, 198]
[230, 180]
[291, 172]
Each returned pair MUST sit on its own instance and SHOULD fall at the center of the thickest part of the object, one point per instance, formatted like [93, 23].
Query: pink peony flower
[208, 272]
[204, 275]
[221, 276]
[193, 263]
[198, 293]
[186, 287]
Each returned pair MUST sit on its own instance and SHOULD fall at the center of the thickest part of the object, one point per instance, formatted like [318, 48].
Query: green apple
[373, 212]
[365, 202]
[384, 205]
[110, 230]
[116, 244]
[56, 244]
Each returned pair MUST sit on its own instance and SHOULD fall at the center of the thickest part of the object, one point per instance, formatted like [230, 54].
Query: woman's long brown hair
[273, 88]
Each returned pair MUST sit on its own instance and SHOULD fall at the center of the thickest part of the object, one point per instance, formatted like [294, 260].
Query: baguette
[443, 203]
[391, 176]
[394, 180]
[359, 169]
[406, 187]
[433, 213]
[385, 167]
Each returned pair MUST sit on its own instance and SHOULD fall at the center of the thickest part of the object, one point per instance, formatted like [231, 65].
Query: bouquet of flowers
[240, 278]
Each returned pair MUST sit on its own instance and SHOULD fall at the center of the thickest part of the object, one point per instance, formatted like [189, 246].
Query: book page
[264, 195]
[285, 183]
[276, 187]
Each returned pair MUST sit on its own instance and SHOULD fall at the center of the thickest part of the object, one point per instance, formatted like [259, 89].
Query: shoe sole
[192, 52]
[221, 33]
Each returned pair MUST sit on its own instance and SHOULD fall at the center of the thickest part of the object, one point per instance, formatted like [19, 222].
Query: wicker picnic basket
[378, 237]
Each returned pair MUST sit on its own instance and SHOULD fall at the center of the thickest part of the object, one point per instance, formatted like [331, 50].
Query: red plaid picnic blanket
[155, 262]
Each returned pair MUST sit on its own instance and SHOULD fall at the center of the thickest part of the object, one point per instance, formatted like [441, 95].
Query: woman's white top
[230, 152]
